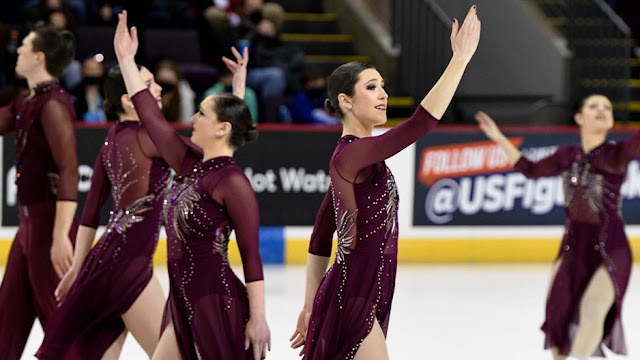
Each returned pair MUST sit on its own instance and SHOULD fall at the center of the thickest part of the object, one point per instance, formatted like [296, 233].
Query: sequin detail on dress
[593, 184]
[185, 201]
[132, 214]
[345, 241]
[121, 181]
[221, 243]
[392, 206]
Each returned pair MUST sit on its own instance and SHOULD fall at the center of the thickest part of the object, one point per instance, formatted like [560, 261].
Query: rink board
[411, 250]
[459, 200]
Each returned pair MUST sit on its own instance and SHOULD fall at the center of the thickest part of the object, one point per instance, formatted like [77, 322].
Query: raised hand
[464, 40]
[488, 126]
[239, 70]
[125, 43]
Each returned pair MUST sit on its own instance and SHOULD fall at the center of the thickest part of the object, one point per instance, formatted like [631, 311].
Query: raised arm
[167, 140]
[548, 166]
[239, 70]
[491, 130]
[464, 42]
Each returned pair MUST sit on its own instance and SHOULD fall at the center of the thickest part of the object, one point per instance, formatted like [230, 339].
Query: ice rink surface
[440, 312]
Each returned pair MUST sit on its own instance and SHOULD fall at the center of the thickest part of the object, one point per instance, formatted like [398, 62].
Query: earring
[131, 106]
[217, 133]
[349, 106]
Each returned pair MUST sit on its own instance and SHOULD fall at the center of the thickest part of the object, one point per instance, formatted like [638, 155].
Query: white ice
[440, 312]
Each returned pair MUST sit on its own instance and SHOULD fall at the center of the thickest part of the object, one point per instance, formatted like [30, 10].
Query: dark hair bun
[329, 108]
[251, 135]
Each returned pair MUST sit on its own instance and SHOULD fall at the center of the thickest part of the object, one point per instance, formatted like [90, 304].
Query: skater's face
[28, 60]
[150, 81]
[596, 114]
[369, 101]
[206, 126]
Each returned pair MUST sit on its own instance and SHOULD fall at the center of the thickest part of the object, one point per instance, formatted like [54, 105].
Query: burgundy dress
[120, 266]
[47, 171]
[594, 236]
[207, 303]
[361, 206]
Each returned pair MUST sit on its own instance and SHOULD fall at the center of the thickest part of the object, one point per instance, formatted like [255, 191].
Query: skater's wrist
[60, 236]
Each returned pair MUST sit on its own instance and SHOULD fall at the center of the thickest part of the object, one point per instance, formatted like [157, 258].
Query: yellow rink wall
[416, 250]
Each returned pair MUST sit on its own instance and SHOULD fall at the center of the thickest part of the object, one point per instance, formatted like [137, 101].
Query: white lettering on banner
[84, 183]
[84, 175]
[262, 182]
[12, 189]
[538, 153]
[295, 180]
[292, 180]
[491, 194]
[499, 192]
[631, 187]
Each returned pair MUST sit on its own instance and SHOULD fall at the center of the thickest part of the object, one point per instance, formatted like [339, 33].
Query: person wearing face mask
[592, 269]
[307, 107]
[347, 308]
[110, 288]
[88, 97]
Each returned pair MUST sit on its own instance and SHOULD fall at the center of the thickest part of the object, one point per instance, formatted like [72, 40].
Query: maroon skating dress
[120, 266]
[361, 206]
[594, 236]
[207, 303]
[47, 171]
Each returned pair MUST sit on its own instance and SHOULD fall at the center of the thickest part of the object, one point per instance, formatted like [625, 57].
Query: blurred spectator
[224, 86]
[10, 85]
[88, 97]
[307, 107]
[62, 19]
[5, 56]
[177, 96]
[256, 24]
[55, 12]
[106, 11]
[232, 13]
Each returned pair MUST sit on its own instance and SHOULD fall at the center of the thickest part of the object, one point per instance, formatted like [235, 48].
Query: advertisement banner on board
[288, 170]
[464, 179]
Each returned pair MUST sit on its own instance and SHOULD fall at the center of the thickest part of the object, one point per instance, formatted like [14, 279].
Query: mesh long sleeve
[548, 166]
[175, 151]
[370, 150]
[629, 149]
[58, 125]
[235, 193]
[324, 227]
[98, 194]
